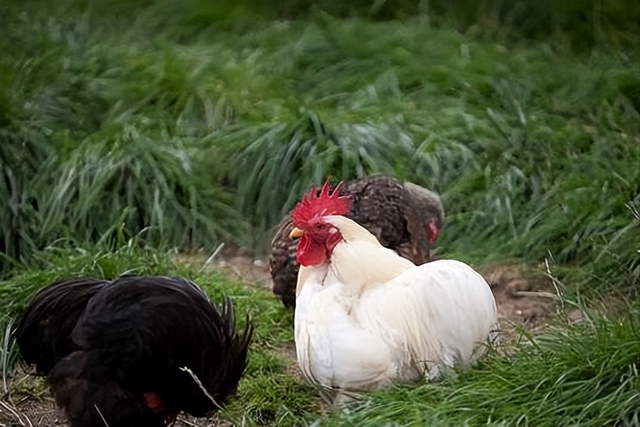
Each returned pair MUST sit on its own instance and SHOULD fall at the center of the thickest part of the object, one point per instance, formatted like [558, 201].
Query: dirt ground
[525, 299]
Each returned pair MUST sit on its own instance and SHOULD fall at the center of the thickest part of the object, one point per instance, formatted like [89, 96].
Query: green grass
[574, 373]
[131, 130]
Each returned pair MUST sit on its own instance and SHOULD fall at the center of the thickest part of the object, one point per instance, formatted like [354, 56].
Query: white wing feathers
[444, 310]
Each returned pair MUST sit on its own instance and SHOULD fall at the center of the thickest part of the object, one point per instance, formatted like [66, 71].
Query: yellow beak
[296, 232]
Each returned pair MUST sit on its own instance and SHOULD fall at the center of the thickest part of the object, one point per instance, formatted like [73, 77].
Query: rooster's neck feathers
[359, 260]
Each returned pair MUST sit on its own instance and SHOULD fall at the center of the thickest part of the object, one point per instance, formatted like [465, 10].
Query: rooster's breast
[336, 347]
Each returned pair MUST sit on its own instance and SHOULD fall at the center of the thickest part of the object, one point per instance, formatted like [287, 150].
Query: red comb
[314, 204]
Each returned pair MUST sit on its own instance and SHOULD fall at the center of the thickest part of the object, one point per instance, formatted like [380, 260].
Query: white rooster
[366, 317]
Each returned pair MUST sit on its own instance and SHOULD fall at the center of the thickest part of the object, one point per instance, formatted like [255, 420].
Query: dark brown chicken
[133, 352]
[403, 216]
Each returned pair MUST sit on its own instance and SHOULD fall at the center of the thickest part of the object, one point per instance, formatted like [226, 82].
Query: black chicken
[403, 216]
[133, 352]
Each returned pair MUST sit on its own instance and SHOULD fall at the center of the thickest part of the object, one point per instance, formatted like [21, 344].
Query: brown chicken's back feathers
[397, 214]
[129, 348]
[378, 206]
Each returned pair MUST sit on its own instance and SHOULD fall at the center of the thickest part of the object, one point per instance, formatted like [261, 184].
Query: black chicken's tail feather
[229, 318]
[234, 346]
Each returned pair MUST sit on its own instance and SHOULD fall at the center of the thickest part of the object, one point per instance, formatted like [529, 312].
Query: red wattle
[432, 232]
[310, 252]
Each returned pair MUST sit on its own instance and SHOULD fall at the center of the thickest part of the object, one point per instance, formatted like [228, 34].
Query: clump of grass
[133, 182]
[8, 351]
[272, 165]
[274, 399]
[66, 260]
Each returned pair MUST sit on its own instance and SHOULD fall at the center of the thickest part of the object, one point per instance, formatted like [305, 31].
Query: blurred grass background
[194, 123]
[134, 128]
